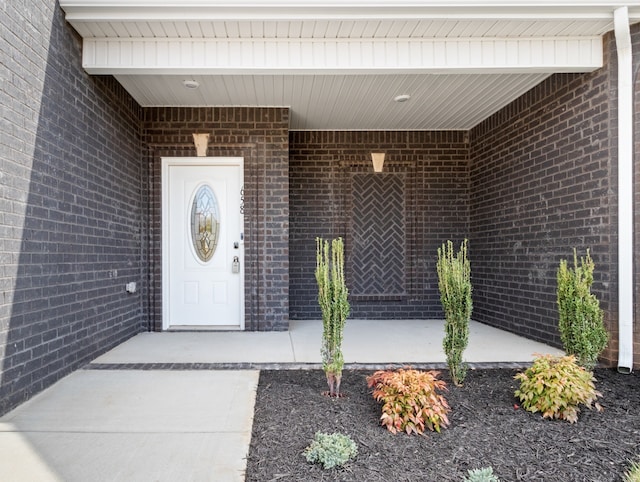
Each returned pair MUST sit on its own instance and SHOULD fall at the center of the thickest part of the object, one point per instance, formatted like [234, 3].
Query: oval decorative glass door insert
[205, 223]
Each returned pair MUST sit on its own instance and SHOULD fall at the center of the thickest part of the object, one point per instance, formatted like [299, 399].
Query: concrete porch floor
[156, 408]
[366, 342]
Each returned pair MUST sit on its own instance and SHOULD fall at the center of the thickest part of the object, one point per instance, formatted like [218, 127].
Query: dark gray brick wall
[72, 220]
[542, 182]
[260, 135]
[436, 203]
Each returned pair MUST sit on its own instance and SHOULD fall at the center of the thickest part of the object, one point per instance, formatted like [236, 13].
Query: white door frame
[192, 161]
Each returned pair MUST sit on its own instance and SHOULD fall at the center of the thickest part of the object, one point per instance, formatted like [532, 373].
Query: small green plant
[411, 401]
[331, 450]
[454, 283]
[484, 474]
[332, 297]
[581, 323]
[556, 386]
[632, 474]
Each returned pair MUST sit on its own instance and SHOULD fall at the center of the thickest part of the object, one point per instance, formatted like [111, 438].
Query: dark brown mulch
[486, 430]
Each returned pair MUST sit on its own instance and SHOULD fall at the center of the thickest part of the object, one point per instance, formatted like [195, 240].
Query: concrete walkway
[156, 408]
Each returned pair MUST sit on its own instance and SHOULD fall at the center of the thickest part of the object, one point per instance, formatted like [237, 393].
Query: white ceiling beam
[260, 56]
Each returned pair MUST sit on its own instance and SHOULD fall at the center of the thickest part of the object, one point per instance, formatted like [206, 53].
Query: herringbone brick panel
[378, 234]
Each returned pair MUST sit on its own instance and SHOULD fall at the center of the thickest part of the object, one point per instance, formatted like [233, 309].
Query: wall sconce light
[202, 143]
[378, 161]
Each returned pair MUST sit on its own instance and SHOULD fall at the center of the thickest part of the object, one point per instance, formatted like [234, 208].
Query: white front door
[203, 242]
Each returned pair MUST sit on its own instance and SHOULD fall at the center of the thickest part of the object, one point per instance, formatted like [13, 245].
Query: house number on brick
[205, 223]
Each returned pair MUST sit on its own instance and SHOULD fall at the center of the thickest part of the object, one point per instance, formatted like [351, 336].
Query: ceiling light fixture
[191, 84]
[402, 98]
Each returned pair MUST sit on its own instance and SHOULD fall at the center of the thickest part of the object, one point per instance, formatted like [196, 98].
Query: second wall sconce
[378, 161]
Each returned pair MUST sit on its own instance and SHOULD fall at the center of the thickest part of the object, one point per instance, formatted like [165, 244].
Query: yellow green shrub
[556, 386]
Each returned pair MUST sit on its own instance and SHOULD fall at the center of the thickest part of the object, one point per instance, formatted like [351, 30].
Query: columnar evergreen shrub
[581, 323]
[454, 282]
[332, 297]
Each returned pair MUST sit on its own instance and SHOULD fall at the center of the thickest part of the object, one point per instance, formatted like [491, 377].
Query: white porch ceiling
[338, 64]
[438, 102]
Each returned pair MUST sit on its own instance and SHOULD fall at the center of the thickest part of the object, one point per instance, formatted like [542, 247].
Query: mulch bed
[486, 430]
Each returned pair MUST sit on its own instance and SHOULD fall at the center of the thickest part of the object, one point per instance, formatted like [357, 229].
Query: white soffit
[335, 62]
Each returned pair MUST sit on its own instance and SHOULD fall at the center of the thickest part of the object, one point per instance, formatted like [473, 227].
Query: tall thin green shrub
[332, 297]
[581, 323]
[454, 282]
